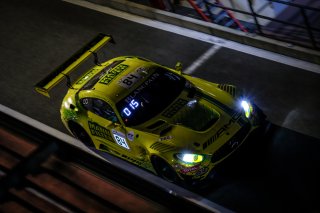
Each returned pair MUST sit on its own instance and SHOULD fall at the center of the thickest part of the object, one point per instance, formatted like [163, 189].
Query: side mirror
[115, 120]
[115, 124]
[178, 67]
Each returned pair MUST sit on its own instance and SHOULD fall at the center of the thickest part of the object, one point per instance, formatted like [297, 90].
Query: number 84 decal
[120, 139]
[129, 80]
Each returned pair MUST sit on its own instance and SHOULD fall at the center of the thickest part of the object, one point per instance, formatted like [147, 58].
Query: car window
[99, 107]
[156, 93]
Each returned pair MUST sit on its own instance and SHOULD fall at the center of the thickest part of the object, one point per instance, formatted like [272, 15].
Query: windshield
[157, 92]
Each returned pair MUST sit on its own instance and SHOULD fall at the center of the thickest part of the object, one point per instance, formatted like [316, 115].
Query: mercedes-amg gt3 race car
[175, 125]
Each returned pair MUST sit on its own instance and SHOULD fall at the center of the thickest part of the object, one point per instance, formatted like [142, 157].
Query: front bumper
[206, 172]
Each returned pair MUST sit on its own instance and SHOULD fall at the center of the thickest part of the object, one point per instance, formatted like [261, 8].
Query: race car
[177, 126]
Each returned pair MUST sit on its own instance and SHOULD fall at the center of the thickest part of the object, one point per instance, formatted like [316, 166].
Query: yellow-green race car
[172, 124]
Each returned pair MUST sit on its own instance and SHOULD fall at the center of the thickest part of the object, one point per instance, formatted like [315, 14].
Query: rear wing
[54, 78]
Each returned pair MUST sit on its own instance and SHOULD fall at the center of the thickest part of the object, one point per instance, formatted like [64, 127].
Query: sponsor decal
[233, 119]
[143, 86]
[119, 137]
[113, 73]
[165, 138]
[85, 101]
[99, 131]
[189, 169]
[130, 136]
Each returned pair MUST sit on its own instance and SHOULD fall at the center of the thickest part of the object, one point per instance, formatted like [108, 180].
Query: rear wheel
[81, 134]
[165, 171]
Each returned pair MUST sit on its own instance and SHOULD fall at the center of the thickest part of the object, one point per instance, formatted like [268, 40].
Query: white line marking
[201, 36]
[202, 59]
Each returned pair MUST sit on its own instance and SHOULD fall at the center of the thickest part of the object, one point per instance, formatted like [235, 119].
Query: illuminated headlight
[247, 108]
[190, 158]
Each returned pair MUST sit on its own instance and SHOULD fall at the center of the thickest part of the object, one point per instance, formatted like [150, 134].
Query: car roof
[109, 85]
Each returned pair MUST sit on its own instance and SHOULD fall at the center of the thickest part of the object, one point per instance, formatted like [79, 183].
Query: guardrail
[313, 33]
[48, 142]
[251, 39]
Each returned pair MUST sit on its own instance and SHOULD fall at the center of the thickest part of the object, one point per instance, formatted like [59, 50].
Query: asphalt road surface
[276, 172]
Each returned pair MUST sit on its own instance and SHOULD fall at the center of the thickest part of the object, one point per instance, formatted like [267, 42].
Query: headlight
[190, 158]
[247, 108]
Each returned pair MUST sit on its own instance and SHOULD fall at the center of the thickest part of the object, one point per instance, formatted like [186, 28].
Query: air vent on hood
[228, 88]
[161, 147]
[174, 108]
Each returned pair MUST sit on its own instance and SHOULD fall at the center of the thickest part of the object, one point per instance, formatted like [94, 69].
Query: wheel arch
[154, 158]
[79, 132]
[71, 124]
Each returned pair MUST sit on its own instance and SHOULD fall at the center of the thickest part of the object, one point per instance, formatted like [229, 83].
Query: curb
[250, 39]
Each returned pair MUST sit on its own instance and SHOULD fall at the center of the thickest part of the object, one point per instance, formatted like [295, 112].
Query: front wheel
[81, 134]
[165, 171]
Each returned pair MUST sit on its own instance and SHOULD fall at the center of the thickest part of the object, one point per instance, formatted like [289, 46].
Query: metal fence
[297, 24]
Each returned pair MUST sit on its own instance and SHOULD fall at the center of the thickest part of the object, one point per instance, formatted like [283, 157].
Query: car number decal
[132, 78]
[129, 80]
[120, 139]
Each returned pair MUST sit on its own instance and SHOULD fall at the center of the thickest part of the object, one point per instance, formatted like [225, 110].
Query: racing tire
[164, 170]
[81, 134]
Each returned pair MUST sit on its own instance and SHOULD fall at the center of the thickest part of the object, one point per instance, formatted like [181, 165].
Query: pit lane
[279, 175]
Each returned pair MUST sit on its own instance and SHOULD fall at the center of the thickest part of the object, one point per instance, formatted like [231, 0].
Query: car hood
[195, 115]
[198, 121]
[195, 123]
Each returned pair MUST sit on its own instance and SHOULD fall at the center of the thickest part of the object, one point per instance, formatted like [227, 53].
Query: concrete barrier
[250, 39]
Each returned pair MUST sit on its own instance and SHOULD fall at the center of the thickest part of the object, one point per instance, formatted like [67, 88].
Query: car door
[104, 126]
[108, 134]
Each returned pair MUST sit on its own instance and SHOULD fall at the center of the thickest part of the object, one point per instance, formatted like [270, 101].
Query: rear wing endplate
[45, 85]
